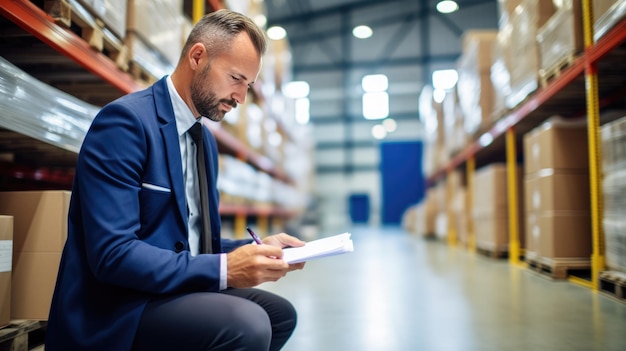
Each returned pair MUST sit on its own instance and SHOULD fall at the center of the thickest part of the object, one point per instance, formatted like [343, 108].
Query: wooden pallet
[614, 284]
[23, 335]
[493, 253]
[547, 75]
[90, 28]
[557, 268]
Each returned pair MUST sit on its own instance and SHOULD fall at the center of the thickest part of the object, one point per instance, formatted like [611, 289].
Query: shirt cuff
[223, 271]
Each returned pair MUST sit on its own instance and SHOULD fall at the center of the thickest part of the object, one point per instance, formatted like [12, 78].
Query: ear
[196, 53]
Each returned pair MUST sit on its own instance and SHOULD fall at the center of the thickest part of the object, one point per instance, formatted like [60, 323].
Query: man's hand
[283, 240]
[251, 265]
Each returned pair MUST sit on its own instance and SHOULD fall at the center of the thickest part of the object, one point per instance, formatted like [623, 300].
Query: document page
[330, 246]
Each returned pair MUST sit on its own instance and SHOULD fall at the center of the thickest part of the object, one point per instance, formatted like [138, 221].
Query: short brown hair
[217, 29]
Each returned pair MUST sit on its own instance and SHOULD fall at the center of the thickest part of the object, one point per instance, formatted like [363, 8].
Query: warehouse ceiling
[406, 32]
[410, 40]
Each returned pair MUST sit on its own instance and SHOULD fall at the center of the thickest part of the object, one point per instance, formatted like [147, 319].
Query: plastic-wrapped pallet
[111, 12]
[614, 191]
[607, 13]
[474, 87]
[561, 37]
[155, 34]
[33, 108]
[523, 52]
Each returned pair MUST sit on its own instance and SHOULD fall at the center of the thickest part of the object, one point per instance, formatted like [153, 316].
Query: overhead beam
[329, 11]
[360, 119]
[373, 64]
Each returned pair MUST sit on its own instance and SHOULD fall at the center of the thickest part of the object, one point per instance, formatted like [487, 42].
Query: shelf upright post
[240, 224]
[262, 224]
[511, 171]
[593, 126]
[198, 10]
[470, 166]
[449, 208]
[278, 224]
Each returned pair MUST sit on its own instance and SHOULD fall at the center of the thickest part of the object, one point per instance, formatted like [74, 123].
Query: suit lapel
[175, 167]
[169, 133]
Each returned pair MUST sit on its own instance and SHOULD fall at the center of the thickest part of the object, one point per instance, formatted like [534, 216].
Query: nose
[240, 95]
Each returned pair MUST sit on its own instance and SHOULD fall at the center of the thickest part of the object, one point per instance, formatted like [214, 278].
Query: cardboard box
[556, 144]
[490, 190]
[554, 191]
[558, 235]
[111, 12]
[522, 29]
[159, 24]
[6, 257]
[561, 38]
[600, 7]
[492, 232]
[40, 231]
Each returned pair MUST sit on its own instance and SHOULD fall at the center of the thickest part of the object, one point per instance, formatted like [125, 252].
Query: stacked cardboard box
[431, 116]
[614, 191]
[474, 86]
[111, 12]
[6, 257]
[518, 50]
[425, 214]
[154, 35]
[557, 193]
[40, 231]
[561, 37]
[606, 14]
[459, 213]
[490, 209]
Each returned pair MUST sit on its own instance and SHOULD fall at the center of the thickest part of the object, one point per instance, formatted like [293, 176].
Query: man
[134, 273]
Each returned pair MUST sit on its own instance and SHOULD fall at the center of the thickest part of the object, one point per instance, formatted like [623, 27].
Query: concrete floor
[399, 292]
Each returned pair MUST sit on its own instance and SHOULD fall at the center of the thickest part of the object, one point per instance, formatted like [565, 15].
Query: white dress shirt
[184, 120]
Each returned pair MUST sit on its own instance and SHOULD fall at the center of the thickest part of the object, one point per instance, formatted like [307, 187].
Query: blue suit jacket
[127, 226]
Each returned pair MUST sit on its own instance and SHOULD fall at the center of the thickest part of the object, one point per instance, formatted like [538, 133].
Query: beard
[204, 99]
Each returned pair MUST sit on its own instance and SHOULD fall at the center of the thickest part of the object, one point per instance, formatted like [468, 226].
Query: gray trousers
[233, 319]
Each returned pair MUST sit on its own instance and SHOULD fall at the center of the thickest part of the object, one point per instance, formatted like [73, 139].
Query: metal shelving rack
[585, 87]
[22, 19]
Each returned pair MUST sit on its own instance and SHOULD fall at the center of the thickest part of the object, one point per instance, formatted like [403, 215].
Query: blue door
[402, 178]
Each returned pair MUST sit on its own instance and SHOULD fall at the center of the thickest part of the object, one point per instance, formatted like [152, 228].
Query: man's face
[205, 99]
[223, 83]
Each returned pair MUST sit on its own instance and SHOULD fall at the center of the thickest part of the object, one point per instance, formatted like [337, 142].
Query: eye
[234, 78]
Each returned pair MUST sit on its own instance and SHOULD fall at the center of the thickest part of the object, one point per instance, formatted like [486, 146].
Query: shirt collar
[184, 118]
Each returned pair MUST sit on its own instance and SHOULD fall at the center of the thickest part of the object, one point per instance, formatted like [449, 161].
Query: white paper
[330, 246]
[6, 252]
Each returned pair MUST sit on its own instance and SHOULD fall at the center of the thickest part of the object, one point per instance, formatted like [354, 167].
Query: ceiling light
[439, 95]
[362, 32]
[374, 82]
[296, 89]
[445, 79]
[378, 132]
[447, 6]
[260, 20]
[276, 33]
[390, 125]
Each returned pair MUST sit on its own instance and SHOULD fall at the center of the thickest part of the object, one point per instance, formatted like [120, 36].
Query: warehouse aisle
[399, 292]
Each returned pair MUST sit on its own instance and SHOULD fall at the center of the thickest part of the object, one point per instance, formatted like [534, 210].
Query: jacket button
[179, 246]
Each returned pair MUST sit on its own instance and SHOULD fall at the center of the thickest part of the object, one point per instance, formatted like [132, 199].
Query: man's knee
[250, 329]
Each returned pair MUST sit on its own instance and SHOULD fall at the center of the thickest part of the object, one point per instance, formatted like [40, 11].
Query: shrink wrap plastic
[562, 35]
[30, 107]
[614, 193]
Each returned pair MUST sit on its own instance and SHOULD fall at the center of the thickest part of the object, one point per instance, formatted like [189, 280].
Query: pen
[254, 236]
